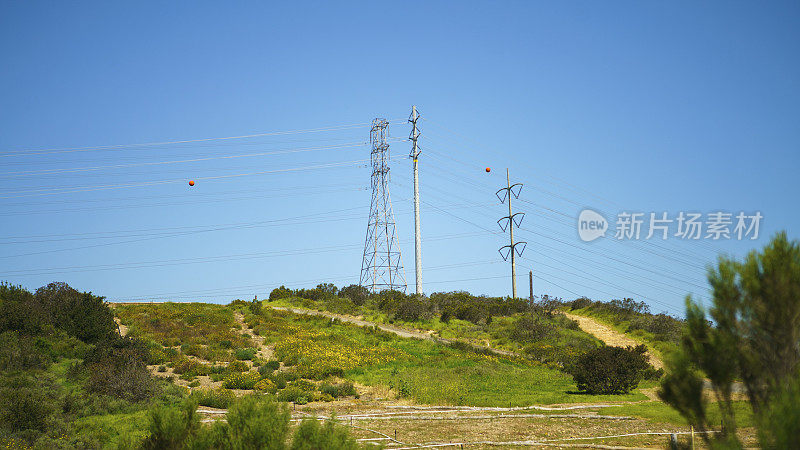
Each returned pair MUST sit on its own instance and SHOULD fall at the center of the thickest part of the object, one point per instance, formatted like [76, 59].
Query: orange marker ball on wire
[191, 182]
[488, 169]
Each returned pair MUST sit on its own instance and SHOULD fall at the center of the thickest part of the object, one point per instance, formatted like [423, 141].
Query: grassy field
[421, 370]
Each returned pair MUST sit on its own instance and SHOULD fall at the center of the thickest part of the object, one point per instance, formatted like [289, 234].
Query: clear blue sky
[616, 106]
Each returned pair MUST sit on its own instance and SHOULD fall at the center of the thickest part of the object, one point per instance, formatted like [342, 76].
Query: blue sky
[617, 107]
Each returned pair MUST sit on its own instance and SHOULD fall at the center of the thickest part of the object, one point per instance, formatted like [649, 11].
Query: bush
[171, 426]
[238, 366]
[26, 403]
[306, 385]
[80, 314]
[610, 370]
[58, 306]
[356, 293]
[345, 389]
[213, 398]
[312, 435]
[266, 385]
[280, 292]
[258, 422]
[580, 303]
[245, 380]
[295, 394]
[245, 353]
[117, 367]
[19, 353]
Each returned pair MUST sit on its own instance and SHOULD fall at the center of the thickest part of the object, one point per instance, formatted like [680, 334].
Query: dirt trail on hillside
[123, 330]
[610, 336]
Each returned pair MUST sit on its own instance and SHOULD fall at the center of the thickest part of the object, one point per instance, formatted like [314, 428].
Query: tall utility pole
[417, 234]
[508, 222]
[381, 267]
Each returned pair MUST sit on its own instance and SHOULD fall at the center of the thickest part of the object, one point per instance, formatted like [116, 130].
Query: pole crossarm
[504, 221]
[508, 222]
[509, 247]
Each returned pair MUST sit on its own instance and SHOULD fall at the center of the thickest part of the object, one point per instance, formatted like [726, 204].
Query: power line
[70, 190]
[18, 174]
[182, 141]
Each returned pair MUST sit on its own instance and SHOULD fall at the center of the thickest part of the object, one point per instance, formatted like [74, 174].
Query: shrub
[294, 394]
[356, 293]
[280, 292]
[80, 314]
[269, 367]
[311, 435]
[19, 353]
[245, 353]
[258, 422]
[341, 305]
[213, 398]
[345, 389]
[171, 426]
[265, 384]
[117, 367]
[238, 366]
[580, 303]
[26, 403]
[245, 380]
[610, 370]
[306, 385]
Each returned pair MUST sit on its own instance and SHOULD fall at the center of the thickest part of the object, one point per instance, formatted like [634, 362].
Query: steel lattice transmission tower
[381, 267]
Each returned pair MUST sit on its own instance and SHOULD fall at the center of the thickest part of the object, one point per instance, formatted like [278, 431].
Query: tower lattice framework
[381, 267]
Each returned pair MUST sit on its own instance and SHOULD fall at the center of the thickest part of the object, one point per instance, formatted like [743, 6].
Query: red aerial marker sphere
[191, 182]
[488, 169]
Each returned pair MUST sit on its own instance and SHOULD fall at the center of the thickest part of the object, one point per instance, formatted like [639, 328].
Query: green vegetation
[253, 422]
[753, 340]
[318, 347]
[535, 330]
[67, 379]
[659, 412]
[659, 332]
[610, 370]
[175, 330]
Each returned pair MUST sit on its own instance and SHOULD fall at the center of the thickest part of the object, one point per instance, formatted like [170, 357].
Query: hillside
[481, 377]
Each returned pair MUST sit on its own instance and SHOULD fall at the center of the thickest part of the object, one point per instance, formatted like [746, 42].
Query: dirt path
[262, 351]
[610, 336]
[123, 330]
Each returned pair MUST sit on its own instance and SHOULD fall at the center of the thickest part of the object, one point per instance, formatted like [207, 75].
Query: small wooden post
[691, 427]
[673, 441]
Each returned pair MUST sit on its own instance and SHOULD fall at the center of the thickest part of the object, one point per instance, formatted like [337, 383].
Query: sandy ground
[610, 336]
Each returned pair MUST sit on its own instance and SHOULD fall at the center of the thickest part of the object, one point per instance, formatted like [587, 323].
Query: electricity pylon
[381, 267]
[508, 222]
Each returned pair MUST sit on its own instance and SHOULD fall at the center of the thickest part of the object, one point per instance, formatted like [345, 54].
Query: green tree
[356, 293]
[753, 338]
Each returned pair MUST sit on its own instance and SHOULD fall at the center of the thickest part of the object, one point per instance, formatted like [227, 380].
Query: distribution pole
[511, 233]
[530, 280]
[512, 220]
[417, 234]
